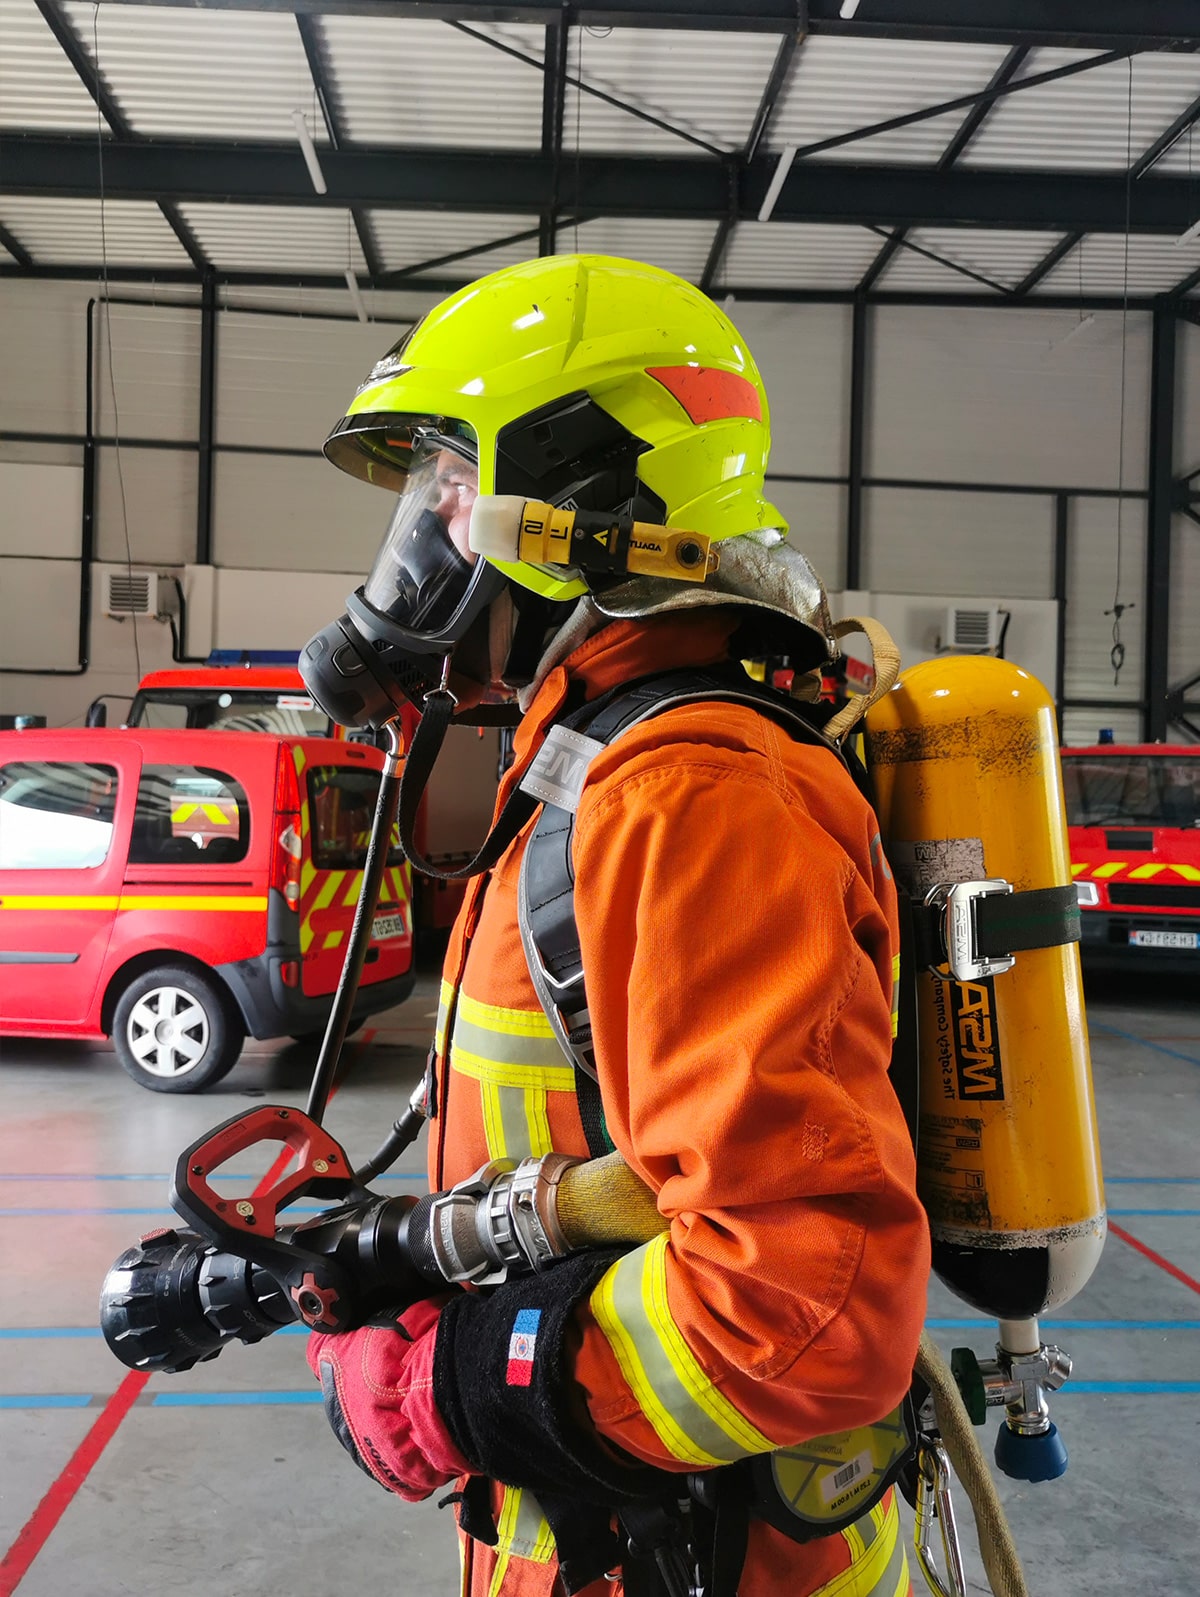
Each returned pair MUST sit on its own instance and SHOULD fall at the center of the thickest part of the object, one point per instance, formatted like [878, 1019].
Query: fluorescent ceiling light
[310, 152]
[1084, 321]
[849, 7]
[356, 299]
[783, 167]
[1191, 235]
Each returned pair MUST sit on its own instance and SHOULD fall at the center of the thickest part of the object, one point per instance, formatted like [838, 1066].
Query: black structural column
[858, 420]
[1062, 549]
[1157, 618]
[208, 400]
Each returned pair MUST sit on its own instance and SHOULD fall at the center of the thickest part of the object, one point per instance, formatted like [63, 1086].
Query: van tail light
[289, 845]
[290, 972]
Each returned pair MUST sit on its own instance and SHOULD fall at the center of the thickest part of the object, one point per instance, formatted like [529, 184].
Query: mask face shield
[426, 596]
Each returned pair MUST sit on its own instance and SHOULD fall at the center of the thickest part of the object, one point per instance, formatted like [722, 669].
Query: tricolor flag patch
[520, 1347]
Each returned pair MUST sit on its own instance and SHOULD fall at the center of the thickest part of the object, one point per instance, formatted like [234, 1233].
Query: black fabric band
[517, 1420]
[1005, 923]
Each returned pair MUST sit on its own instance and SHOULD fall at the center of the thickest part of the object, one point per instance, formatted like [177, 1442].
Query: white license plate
[1148, 939]
[385, 926]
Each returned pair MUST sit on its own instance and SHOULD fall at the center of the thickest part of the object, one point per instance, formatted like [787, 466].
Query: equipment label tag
[560, 768]
[968, 1040]
[935, 861]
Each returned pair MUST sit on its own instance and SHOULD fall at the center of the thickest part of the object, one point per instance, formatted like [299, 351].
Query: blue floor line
[1146, 1042]
[1117, 1213]
[232, 1399]
[45, 1399]
[1152, 1181]
[1149, 1388]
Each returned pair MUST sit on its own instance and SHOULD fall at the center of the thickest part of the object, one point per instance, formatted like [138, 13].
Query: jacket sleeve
[738, 930]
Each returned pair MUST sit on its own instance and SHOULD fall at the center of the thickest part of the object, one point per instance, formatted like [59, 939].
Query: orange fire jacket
[738, 927]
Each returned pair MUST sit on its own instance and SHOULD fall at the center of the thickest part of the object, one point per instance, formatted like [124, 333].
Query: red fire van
[1133, 811]
[178, 890]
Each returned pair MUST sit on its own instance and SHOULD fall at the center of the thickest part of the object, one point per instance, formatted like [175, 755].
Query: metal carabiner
[934, 1502]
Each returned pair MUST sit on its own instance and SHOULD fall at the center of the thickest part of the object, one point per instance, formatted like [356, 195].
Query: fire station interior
[963, 244]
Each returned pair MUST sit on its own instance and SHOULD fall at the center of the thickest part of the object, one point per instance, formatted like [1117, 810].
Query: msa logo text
[976, 1041]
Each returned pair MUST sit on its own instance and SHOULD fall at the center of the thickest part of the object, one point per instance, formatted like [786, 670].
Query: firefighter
[737, 925]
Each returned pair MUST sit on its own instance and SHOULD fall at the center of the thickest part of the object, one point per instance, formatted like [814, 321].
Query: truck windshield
[230, 710]
[1132, 790]
[342, 806]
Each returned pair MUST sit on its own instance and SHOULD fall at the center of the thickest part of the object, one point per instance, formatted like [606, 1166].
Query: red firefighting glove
[378, 1388]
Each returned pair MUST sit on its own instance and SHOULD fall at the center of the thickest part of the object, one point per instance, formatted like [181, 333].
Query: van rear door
[66, 805]
[339, 786]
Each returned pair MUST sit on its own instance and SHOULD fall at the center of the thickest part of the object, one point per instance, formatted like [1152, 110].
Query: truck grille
[1147, 893]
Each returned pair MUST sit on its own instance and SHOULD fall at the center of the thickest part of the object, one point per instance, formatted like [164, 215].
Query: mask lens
[425, 567]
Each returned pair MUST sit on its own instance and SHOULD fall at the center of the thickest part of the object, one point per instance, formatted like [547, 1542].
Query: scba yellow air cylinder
[964, 758]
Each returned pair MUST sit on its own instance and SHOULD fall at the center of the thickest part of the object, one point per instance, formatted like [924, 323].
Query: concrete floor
[227, 1480]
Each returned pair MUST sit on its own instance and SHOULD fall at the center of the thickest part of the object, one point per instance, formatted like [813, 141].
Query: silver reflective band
[560, 768]
[960, 937]
[502, 1218]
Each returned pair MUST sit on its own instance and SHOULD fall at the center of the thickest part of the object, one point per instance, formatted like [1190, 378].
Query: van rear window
[1132, 789]
[56, 815]
[342, 805]
[189, 815]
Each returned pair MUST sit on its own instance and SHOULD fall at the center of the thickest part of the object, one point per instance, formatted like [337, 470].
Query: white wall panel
[1081, 728]
[996, 396]
[918, 626]
[41, 510]
[296, 513]
[803, 352]
[925, 541]
[39, 620]
[284, 381]
[153, 492]
[277, 609]
[1091, 584]
[816, 516]
[153, 371]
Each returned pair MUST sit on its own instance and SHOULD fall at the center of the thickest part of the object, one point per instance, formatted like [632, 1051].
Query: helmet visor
[425, 571]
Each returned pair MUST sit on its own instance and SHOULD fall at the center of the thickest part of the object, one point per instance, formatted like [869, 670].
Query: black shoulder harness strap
[547, 889]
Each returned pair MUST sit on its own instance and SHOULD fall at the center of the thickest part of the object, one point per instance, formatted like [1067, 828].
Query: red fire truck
[1134, 816]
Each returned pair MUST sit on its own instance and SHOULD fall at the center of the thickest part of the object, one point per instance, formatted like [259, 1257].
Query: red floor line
[1155, 1258]
[33, 1535]
[37, 1529]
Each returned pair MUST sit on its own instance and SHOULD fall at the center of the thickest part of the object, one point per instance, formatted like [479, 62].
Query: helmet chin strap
[436, 717]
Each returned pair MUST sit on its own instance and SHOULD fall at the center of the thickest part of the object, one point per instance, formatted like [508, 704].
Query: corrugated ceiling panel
[1001, 255]
[218, 74]
[840, 84]
[401, 81]
[706, 84]
[275, 238]
[1097, 265]
[1083, 122]
[59, 232]
[38, 86]
[797, 255]
[384, 308]
[406, 238]
[676, 245]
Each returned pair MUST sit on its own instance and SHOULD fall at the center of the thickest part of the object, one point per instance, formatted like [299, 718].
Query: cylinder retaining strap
[975, 928]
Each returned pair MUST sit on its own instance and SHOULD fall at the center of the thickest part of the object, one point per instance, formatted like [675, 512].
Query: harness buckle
[958, 929]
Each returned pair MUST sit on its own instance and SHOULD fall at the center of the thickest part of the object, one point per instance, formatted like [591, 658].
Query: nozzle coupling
[502, 1220]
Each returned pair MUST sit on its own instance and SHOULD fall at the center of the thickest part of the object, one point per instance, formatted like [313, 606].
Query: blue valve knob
[1031, 1458]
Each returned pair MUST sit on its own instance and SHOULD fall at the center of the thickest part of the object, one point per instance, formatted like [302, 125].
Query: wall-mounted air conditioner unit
[971, 629]
[130, 592]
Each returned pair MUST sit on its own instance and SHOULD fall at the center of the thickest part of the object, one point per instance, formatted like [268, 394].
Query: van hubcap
[168, 1032]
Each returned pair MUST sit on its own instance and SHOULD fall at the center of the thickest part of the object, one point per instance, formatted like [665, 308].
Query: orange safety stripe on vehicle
[185, 901]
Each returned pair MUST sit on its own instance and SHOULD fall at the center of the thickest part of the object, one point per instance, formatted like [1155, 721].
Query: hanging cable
[1117, 652]
[106, 306]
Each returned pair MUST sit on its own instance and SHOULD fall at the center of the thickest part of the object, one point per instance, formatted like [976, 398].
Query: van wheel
[174, 1030]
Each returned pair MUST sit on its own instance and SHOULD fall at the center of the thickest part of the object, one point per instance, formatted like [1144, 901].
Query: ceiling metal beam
[314, 54]
[971, 125]
[1084, 24]
[15, 248]
[781, 71]
[610, 185]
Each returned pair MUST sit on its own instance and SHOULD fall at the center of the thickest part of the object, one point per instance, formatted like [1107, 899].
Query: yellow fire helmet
[581, 381]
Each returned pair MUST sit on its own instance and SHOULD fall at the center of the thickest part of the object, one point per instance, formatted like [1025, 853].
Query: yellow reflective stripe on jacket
[514, 1057]
[878, 1565]
[129, 901]
[895, 994]
[522, 1528]
[695, 1423]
